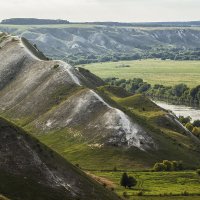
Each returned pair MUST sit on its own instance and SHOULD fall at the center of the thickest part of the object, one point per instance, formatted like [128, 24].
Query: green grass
[153, 71]
[157, 184]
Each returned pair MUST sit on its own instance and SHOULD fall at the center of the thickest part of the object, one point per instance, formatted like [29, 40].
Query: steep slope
[30, 170]
[63, 107]
[52, 94]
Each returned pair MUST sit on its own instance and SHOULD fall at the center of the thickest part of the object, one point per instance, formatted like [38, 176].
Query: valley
[81, 120]
[90, 42]
[168, 72]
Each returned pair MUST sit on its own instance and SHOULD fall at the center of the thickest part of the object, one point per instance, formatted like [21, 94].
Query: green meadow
[155, 185]
[153, 71]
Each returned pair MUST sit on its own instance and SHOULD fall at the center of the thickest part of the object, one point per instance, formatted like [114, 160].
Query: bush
[131, 182]
[196, 131]
[189, 126]
[128, 181]
[167, 165]
[124, 180]
[196, 123]
[159, 167]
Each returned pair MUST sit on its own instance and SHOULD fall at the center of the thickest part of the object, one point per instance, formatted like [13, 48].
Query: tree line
[179, 93]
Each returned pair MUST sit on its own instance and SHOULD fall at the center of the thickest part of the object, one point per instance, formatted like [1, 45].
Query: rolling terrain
[91, 42]
[88, 123]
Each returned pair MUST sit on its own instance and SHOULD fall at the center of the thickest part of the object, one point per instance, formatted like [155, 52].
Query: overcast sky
[103, 10]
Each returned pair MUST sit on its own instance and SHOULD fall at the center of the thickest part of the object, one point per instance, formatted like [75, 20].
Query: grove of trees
[128, 181]
[167, 165]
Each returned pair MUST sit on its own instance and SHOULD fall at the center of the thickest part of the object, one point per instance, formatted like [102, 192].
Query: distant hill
[33, 21]
[149, 24]
[86, 43]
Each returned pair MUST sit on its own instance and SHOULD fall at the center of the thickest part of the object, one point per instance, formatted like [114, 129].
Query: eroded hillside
[30, 170]
[98, 42]
[65, 108]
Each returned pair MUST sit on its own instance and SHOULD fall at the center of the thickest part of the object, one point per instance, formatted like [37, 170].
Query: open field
[153, 71]
[157, 185]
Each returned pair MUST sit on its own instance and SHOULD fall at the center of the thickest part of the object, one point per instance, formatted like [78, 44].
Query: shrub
[196, 131]
[189, 126]
[128, 181]
[131, 182]
[124, 180]
[196, 123]
[168, 165]
[159, 167]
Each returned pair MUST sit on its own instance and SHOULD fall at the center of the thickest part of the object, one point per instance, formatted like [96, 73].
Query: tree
[131, 182]
[189, 126]
[184, 120]
[196, 123]
[159, 167]
[168, 165]
[175, 165]
[124, 180]
[179, 89]
[196, 131]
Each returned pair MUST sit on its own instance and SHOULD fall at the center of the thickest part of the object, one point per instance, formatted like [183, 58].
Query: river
[180, 110]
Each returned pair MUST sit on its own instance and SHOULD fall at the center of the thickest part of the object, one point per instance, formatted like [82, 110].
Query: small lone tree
[124, 180]
[131, 182]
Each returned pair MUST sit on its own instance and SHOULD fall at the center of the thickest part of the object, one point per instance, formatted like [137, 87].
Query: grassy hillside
[172, 141]
[97, 128]
[30, 170]
[153, 71]
[155, 185]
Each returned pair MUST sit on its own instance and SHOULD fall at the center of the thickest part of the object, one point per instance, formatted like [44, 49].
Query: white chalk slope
[52, 94]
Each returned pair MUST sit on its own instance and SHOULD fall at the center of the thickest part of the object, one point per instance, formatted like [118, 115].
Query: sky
[103, 10]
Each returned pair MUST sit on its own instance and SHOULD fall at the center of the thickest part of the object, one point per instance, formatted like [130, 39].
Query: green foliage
[179, 93]
[128, 181]
[189, 126]
[167, 165]
[158, 185]
[196, 123]
[184, 120]
[124, 180]
[196, 131]
[198, 172]
[159, 167]
[131, 182]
